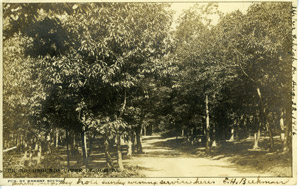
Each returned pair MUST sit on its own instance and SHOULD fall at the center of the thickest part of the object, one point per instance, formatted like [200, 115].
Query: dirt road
[161, 160]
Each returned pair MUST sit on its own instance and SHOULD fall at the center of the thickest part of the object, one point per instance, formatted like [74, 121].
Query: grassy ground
[55, 165]
[241, 154]
[237, 152]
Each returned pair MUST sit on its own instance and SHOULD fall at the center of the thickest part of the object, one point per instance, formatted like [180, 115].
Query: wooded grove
[81, 78]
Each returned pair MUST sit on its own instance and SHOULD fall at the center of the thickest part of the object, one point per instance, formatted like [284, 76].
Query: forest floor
[175, 157]
[163, 157]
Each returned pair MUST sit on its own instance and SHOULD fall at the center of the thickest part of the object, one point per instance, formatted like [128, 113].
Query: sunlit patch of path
[159, 160]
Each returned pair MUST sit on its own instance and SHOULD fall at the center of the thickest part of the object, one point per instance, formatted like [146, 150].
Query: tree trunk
[36, 147]
[288, 127]
[21, 144]
[122, 140]
[232, 134]
[56, 137]
[207, 147]
[52, 140]
[84, 148]
[264, 119]
[256, 139]
[271, 141]
[68, 152]
[141, 138]
[17, 144]
[91, 140]
[39, 154]
[192, 136]
[145, 131]
[71, 142]
[286, 139]
[284, 133]
[75, 146]
[257, 135]
[134, 142]
[30, 155]
[151, 129]
[120, 162]
[129, 152]
[237, 125]
[26, 149]
[139, 147]
[74, 140]
[109, 161]
[48, 141]
[214, 143]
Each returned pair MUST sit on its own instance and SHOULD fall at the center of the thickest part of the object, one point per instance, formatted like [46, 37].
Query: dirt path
[161, 160]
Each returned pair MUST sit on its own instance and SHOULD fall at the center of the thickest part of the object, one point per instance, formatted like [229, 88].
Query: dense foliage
[76, 72]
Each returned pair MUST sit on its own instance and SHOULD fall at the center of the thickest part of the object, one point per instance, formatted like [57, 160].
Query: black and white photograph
[148, 93]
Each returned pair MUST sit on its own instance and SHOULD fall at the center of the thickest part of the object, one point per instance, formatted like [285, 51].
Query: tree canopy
[114, 69]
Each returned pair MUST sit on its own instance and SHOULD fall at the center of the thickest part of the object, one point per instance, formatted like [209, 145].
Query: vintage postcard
[148, 93]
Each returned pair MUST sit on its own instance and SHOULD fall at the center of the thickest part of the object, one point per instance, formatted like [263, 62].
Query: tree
[256, 43]
[103, 52]
[203, 73]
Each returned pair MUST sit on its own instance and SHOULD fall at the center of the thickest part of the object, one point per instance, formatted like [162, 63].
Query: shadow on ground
[239, 153]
